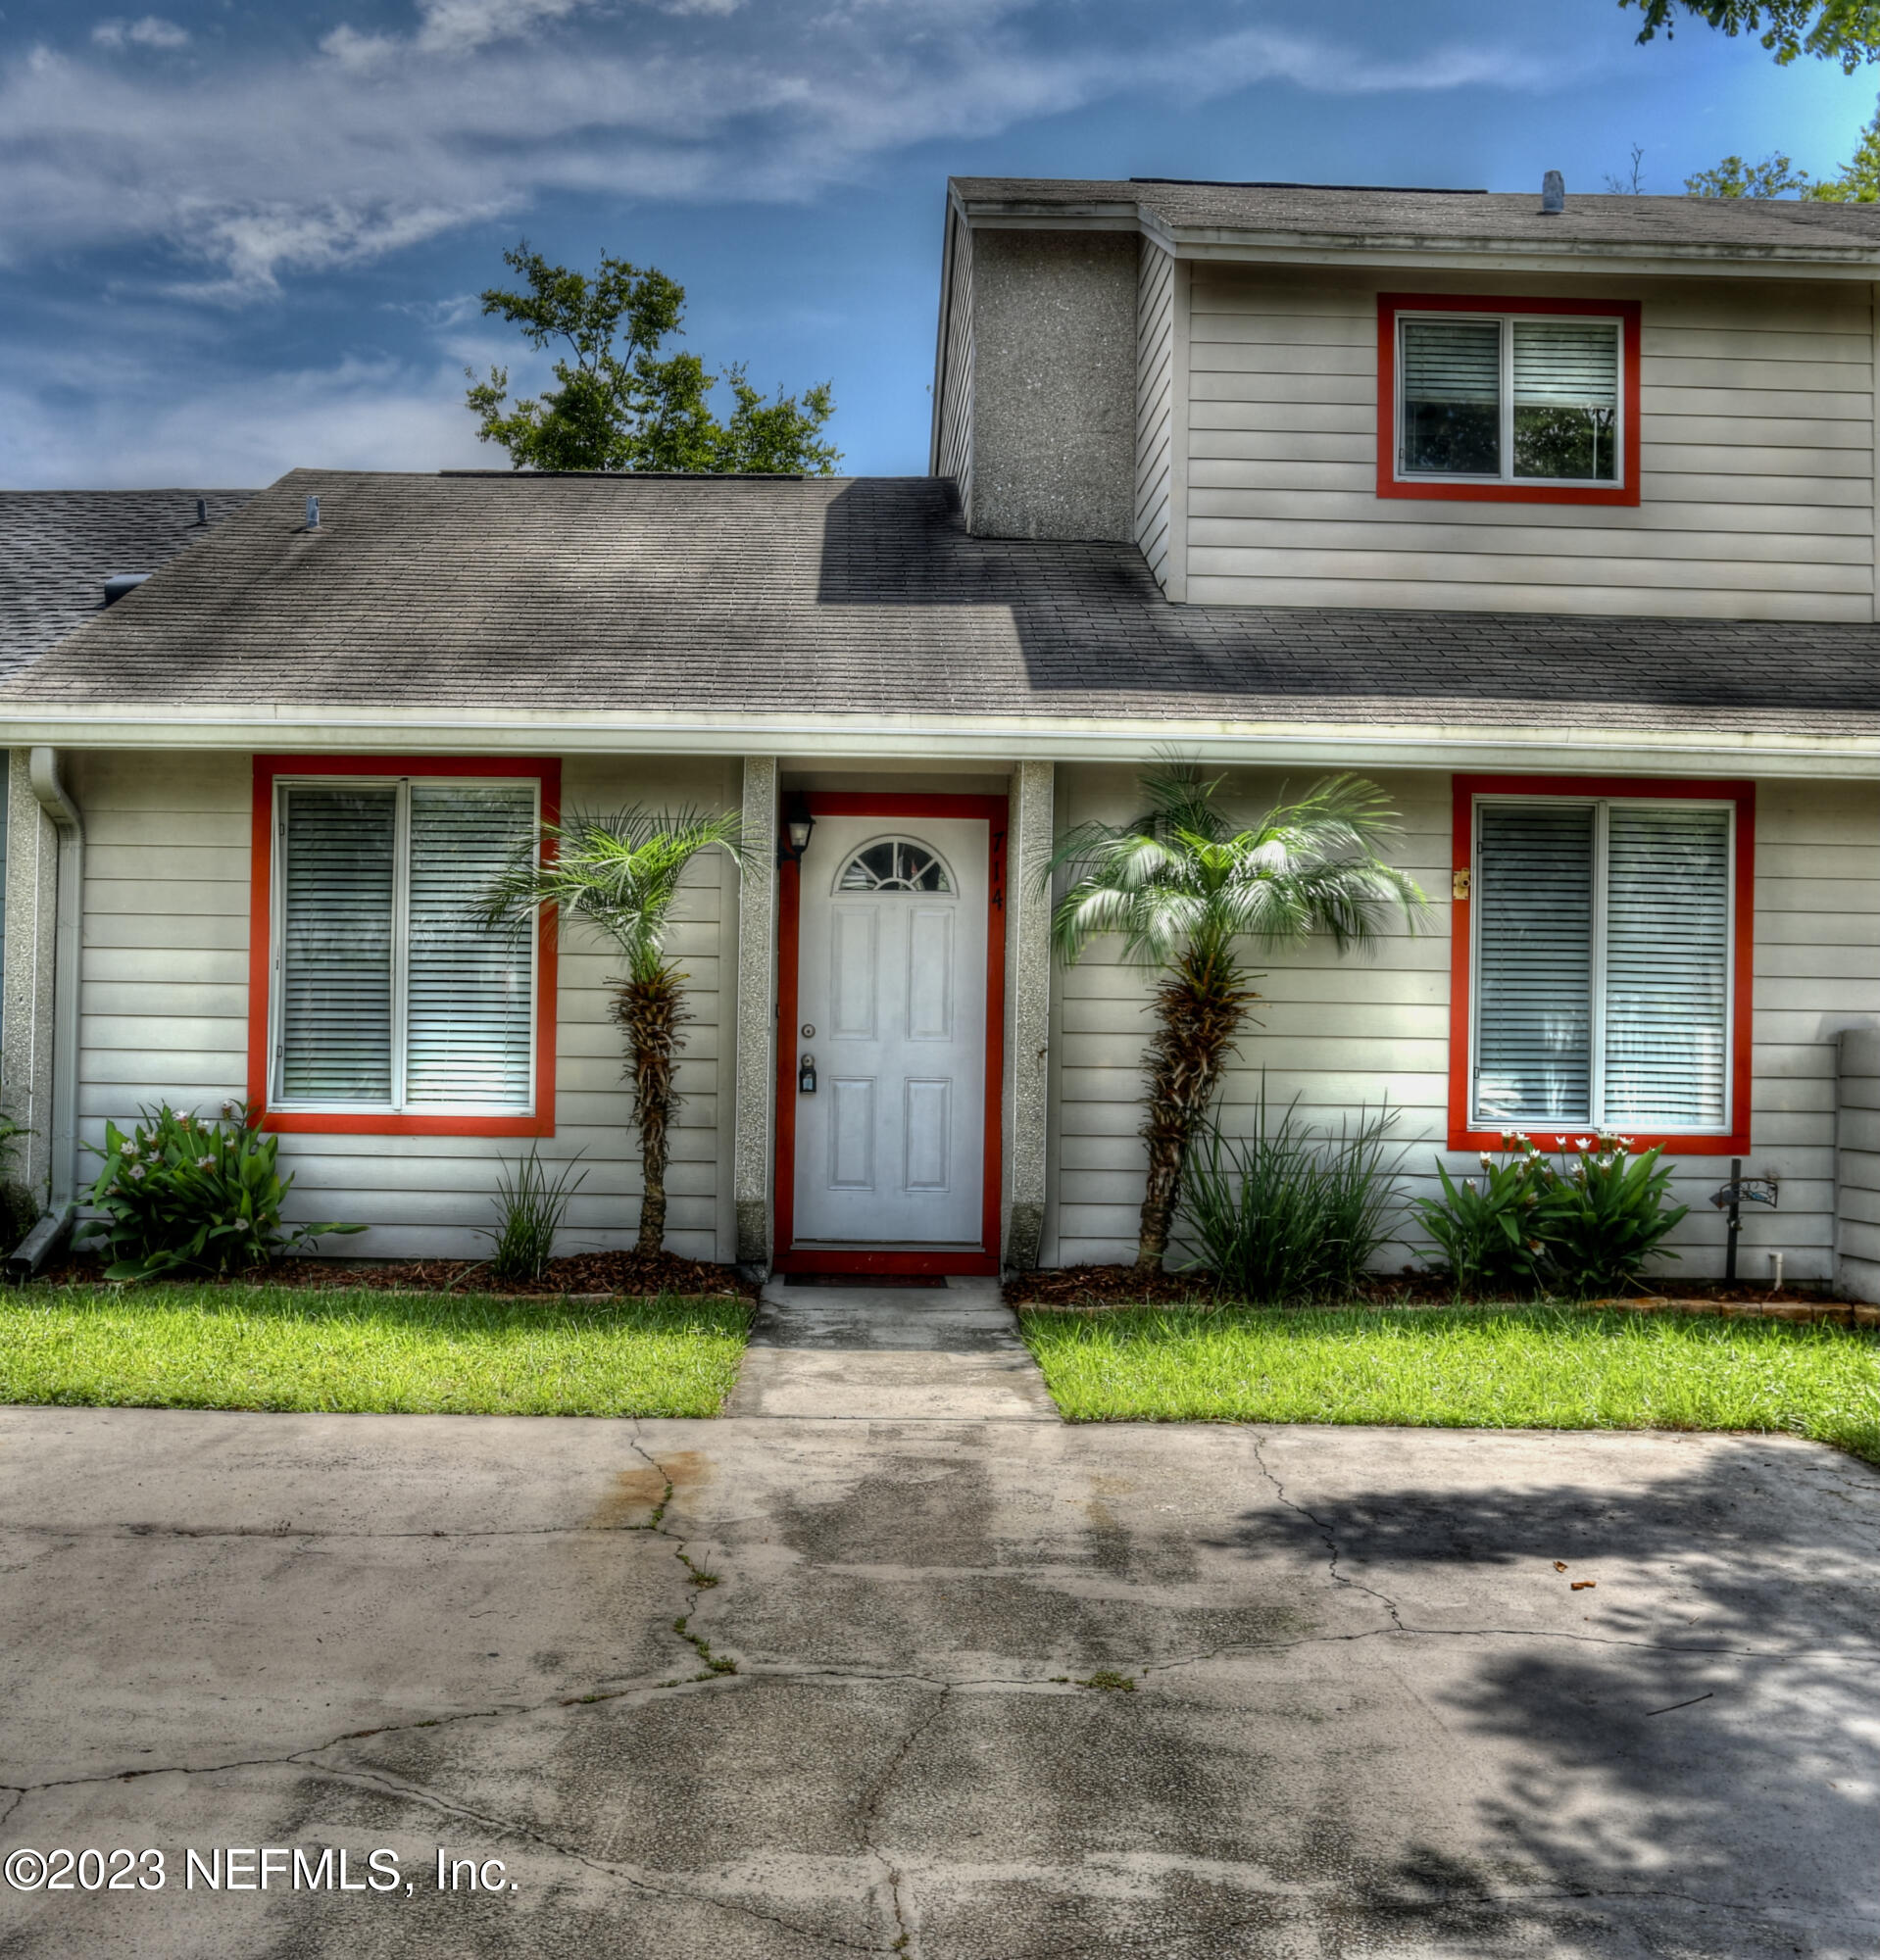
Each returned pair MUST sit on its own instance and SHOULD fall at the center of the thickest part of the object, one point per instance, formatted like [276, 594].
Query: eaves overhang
[1436, 251]
[1373, 735]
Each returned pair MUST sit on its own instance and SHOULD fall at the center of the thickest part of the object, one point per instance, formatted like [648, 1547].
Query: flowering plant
[1583, 1223]
[1488, 1234]
[1605, 1213]
[182, 1193]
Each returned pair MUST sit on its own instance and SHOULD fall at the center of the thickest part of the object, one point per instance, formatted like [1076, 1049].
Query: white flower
[1487, 1159]
[204, 1164]
[131, 1154]
[136, 1171]
[1582, 1143]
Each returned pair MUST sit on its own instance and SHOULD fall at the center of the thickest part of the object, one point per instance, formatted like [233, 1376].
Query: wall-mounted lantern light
[797, 826]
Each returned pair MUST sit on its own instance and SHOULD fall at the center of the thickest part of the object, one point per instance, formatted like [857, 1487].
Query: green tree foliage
[1773, 177]
[1847, 31]
[619, 402]
[1858, 181]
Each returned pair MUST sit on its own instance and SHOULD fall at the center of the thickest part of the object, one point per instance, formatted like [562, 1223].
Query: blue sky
[238, 238]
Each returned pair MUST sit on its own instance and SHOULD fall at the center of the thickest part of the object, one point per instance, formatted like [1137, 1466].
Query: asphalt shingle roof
[769, 594]
[58, 547]
[1355, 214]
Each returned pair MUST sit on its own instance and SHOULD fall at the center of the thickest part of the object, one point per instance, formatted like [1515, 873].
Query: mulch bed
[1096, 1288]
[625, 1275]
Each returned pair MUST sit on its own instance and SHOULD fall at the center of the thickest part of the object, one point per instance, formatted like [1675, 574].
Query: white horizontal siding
[165, 1017]
[1758, 462]
[1340, 1034]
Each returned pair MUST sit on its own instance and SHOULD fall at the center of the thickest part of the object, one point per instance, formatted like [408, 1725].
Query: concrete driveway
[1366, 1713]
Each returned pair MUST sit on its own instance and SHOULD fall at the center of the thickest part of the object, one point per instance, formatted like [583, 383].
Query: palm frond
[617, 872]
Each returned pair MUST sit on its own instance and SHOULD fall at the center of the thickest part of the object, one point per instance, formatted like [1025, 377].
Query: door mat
[863, 1279]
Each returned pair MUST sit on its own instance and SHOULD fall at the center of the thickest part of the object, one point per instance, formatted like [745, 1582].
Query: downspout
[67, 935]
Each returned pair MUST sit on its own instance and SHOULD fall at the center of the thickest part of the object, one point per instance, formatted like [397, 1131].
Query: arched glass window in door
[894, 864]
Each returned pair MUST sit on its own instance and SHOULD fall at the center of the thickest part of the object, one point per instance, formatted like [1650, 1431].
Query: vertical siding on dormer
[1154, 404]
[1758, 471]
[954, 448]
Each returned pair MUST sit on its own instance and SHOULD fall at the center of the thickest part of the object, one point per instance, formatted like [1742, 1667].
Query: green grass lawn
[272, 1347]
[1463, 1367]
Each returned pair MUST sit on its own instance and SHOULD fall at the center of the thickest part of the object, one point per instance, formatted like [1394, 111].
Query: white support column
[1027, 1013]
[752, 1151]
[27, 998]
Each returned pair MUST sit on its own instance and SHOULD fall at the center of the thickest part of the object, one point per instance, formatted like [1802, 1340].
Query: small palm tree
[621, 875]
[1184, 885]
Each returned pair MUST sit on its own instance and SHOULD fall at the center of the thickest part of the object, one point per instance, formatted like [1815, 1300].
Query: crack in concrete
[608, 1868]
[1326, 1532]
[867, 1816]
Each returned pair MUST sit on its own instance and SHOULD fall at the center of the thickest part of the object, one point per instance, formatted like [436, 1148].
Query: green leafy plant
[1285, 1214]
[1488, 1234]
[531, 1206]
[1584, 1224]
[1184, 886]
[1604, 1214]
[188, 1194]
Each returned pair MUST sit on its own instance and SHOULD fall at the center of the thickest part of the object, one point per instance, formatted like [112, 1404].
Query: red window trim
[1463, 858]
[547, 770]
[1389, 305]
[984, 1263]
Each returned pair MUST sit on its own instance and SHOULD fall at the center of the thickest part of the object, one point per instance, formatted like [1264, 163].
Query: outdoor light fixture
[797, 826]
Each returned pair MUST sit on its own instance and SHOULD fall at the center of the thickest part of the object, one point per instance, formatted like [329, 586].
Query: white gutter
[1639, 742]
[66, 941]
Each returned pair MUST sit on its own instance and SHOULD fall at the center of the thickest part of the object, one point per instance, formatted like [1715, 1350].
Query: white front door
[891, 1003]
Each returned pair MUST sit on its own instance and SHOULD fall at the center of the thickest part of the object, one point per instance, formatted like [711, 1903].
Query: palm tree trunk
[649, 1008]
[1199, 1007]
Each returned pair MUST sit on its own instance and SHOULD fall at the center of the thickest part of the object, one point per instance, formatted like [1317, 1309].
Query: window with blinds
[1508, 398]
[391, 995]
[1602, 965]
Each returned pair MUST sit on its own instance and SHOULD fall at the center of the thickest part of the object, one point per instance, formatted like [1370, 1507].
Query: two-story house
[1558, 522]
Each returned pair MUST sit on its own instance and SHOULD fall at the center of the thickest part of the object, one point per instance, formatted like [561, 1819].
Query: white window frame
[1506, 321]
[398, 1105]
[1602, 807]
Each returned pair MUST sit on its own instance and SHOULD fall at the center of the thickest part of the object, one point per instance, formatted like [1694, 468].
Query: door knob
[806, 1076]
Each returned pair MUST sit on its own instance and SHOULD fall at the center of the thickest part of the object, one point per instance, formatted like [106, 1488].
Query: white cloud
[252, 170]
[238, 433]
[461, 27]
[152, 31]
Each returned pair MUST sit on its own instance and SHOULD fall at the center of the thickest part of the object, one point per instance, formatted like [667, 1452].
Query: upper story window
[388, 1004]
[1523, 401]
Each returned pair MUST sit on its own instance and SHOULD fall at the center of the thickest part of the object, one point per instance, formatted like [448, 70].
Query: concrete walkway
[947, 1353]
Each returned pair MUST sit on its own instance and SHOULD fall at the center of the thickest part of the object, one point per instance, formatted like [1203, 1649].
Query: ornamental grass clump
[1582, 1224]
[531, 1206]
[1286, 1214]
[192, 1194]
